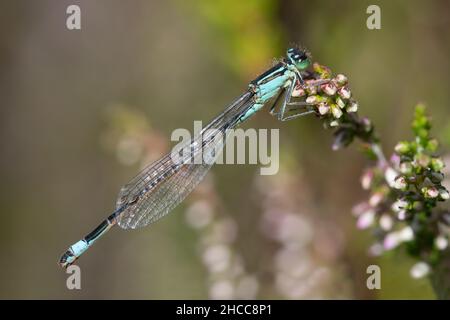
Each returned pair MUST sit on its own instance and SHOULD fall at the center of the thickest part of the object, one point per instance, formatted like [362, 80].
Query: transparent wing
[160, 187]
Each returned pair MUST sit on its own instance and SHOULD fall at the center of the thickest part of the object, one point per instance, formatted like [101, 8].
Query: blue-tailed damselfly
[161, 186]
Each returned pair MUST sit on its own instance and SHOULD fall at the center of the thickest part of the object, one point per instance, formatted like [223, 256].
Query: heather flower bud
[406, 167]
[430, 192]
[423, 160]
[400, 183]
[329, 88]
[443, 194]
[323, 71]
[432, 145]
[341, 79]
[323, 108]
[314, 99]
[334, 123]
[340, 103]
[345, 93]
[298, 91]
[399, 205]
[352, 107]
[336, 111]
[402, 147]
[437, 164]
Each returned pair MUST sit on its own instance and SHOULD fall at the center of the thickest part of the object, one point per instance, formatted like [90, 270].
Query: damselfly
[161, 186]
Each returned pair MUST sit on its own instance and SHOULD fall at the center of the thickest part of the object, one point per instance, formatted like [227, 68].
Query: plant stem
[440, 277]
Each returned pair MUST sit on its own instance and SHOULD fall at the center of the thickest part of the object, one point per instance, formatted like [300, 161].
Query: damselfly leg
[290, 109]
[287, 106]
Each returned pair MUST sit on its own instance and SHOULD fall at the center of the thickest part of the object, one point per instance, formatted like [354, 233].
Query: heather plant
[405, 208]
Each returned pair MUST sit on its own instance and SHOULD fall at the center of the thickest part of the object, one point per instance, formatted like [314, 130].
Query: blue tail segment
[78, 248]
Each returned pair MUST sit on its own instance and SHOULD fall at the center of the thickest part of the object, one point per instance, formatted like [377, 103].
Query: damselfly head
[298, 57]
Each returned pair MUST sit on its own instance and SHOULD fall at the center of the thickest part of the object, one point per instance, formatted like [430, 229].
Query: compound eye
[299, 58]
[302, 56]
[303, 64]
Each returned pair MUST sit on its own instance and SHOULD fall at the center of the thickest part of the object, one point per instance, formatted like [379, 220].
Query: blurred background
[82, 111]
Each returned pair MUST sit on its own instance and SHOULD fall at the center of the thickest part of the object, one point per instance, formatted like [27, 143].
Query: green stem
[440, 277]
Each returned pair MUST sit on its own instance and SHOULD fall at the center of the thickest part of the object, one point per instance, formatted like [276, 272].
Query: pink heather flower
[312, 99]
[401, 215]
[400, 183]
[360, 208]
[329, 88]
[430, 192]
[298, 92]
[391, 241]
[345, 93]
[323, 108]
[395, 159]
[366, 179]
[366, 219]
[376, 199]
